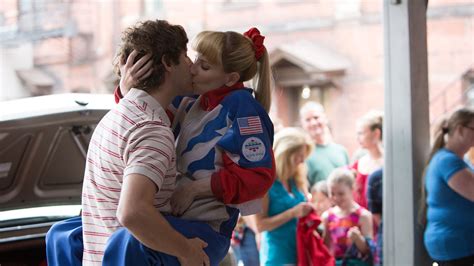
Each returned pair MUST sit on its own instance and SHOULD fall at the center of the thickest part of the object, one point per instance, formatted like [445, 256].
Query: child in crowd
[320, 197]
[347, 226]
[369, 136]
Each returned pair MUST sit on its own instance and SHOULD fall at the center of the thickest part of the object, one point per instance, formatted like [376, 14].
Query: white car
[43, 146]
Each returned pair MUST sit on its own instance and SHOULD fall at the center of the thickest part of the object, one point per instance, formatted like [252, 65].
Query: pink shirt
[133, 138]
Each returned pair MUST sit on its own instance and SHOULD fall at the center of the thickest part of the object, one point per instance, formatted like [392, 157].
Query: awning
[306, 62]
[310, 56]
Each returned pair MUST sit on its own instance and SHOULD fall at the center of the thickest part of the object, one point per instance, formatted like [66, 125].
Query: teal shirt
[324, 159]
[278, 246]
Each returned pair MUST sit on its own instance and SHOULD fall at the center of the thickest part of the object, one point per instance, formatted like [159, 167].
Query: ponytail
[262, 82]
[439, 140]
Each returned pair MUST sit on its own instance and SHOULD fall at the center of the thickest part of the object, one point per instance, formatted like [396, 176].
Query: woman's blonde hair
[236, 53]
[341, 176]
[287, 142]
[373, 120]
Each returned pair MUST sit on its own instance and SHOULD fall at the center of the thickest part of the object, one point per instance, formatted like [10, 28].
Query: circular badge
[253, 149]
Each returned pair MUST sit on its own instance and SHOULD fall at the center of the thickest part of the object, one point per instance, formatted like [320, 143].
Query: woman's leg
[124, 249]
[64, 244]
[248, 249]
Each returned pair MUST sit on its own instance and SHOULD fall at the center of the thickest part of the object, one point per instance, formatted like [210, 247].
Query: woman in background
[286, 200]
[369, 136]
[449, 185]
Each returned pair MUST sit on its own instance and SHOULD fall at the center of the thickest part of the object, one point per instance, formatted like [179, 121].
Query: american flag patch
[250, 125]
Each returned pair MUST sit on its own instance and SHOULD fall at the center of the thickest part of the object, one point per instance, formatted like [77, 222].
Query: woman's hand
[302, 209]
[132, 73]
[187, 191]
[182, 198]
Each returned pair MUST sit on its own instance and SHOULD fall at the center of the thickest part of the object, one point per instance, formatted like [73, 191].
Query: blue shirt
[374, 203]
[278, 246]
[449, 232]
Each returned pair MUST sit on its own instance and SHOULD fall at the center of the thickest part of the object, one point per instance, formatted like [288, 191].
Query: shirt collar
[211, 99]
[146, 103]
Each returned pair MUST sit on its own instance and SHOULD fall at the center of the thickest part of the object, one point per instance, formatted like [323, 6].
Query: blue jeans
[247, 251]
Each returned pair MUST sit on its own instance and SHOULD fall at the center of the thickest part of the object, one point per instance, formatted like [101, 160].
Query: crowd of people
[348, 196]
[188, 166]
[316, 175]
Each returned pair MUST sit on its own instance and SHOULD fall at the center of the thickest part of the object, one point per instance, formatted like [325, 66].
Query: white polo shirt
[133, 138]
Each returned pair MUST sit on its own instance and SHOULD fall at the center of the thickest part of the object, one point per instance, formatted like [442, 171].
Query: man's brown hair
[155, 37]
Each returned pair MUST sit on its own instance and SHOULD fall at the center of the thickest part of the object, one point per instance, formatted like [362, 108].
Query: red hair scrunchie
[257, 39]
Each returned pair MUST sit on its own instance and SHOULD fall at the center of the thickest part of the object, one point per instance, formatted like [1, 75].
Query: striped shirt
[133, 138]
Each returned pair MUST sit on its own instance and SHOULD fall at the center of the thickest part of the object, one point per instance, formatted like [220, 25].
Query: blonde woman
[224, 139]
[286, 200]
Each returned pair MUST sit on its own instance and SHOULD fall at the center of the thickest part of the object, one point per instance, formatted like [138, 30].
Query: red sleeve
[117, 94]
[233, 184]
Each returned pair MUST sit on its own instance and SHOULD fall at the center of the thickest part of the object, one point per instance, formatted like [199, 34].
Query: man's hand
[131, 74]
[194, 253]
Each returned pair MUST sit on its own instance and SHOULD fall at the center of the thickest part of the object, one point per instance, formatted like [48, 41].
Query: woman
[286, 200]
[224, 135]
[369, 136]
[449, 185]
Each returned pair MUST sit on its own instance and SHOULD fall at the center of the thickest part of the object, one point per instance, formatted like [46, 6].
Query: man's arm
[137, 213]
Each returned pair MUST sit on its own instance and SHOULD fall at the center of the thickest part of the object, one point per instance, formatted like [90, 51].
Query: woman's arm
[250, 222]
[132, 72]
[463, 183]
[234, 184]
[268, 223]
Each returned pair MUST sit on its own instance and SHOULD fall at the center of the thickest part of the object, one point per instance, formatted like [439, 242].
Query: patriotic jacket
[225, 135]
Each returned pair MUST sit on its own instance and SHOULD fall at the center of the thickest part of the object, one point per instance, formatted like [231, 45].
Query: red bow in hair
[257, 39]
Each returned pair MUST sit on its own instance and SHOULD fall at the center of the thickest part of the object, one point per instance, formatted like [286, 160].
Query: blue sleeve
[248, 164]
[449, 164]
[250, 138]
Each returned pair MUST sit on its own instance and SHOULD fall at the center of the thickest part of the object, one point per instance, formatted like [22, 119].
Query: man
[131, 166]
[327, 155]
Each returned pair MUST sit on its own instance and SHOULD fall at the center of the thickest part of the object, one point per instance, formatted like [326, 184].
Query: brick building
[325, 50]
